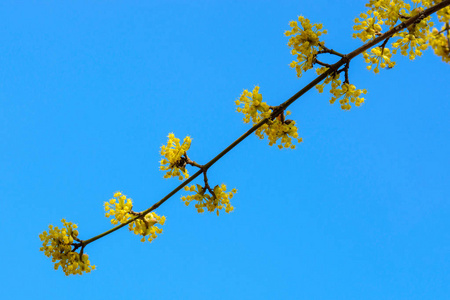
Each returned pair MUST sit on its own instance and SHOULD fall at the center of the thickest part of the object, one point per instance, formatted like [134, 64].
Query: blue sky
[89, 92]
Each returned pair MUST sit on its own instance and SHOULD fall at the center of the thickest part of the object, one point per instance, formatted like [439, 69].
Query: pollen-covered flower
[277, 130]
[413, 40]
[349, 94]
[254, 108]
[282, 131]
[174, 161]
[440, 43]
[381, 58]
[119, 207]
[219, 198]
[383, 15]
[58, 243]
[146, 226]
[368, 27]
[338, 89]
[305, 43]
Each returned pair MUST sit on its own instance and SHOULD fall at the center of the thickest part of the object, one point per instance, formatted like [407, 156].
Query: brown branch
[280, 109]
[331, 51]
[384, 45]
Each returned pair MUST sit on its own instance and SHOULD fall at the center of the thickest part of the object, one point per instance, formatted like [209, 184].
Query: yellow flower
[219, 198]
[378, 57]
[58, 243]
[305, 43]
[146, 226]
[174, 161]
[119, 207]
[254, 109]
[276, 130]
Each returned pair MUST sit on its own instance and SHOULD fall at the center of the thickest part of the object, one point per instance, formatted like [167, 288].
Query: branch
[345, 59]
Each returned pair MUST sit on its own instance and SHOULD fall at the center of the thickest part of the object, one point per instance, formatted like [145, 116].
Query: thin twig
[384, 45]
[331, 51]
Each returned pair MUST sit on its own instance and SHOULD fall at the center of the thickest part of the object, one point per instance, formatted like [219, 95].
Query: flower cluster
[276, 130]
[305, 43]
[339, 89]
[440, 40]
[254, 109]
[145, 226]
[443, 14]
[440, 43]
[368, 27]
[379, 57]
[219, 198]
[282, 131]
[58, 243]
[387, 13]
[174, 161]
[350, 94]
[119, 207]
[412, 42]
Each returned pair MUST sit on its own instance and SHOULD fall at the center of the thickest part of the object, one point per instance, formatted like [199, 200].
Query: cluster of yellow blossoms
[440, 44]
[305, 43]
[120, 207]
[219, 199]
[282, 131]
[350, 94]
[411, 42]
[369, 27]
[414, 39]
[338, 89]
[58, 243]
[440, 40]
[256, 110]
[379, 57]
[383, 15]
[146, 226]
[174, 161]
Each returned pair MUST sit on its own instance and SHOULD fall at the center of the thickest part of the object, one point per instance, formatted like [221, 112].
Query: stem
[192, 163]
[182, 185]
[384, 45]
[331, 51]
[279, 109]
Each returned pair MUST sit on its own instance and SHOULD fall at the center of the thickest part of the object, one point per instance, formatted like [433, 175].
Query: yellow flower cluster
[333, 78]
[440, 44]
[437, 39]
[146, 226]
[368, 27]
[305, 43]
[276, 130]
[384, 12]
[350, 94]
[174, 161]
[443, 14]
[254, 109]
[57, 244]
[414, 39]
[119, 207]
[219, 200]
[381, 58]
[339, 89]
[411, 41]
[283, 132]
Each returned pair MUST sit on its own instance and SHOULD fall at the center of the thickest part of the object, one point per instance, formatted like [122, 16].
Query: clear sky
[89, 92]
